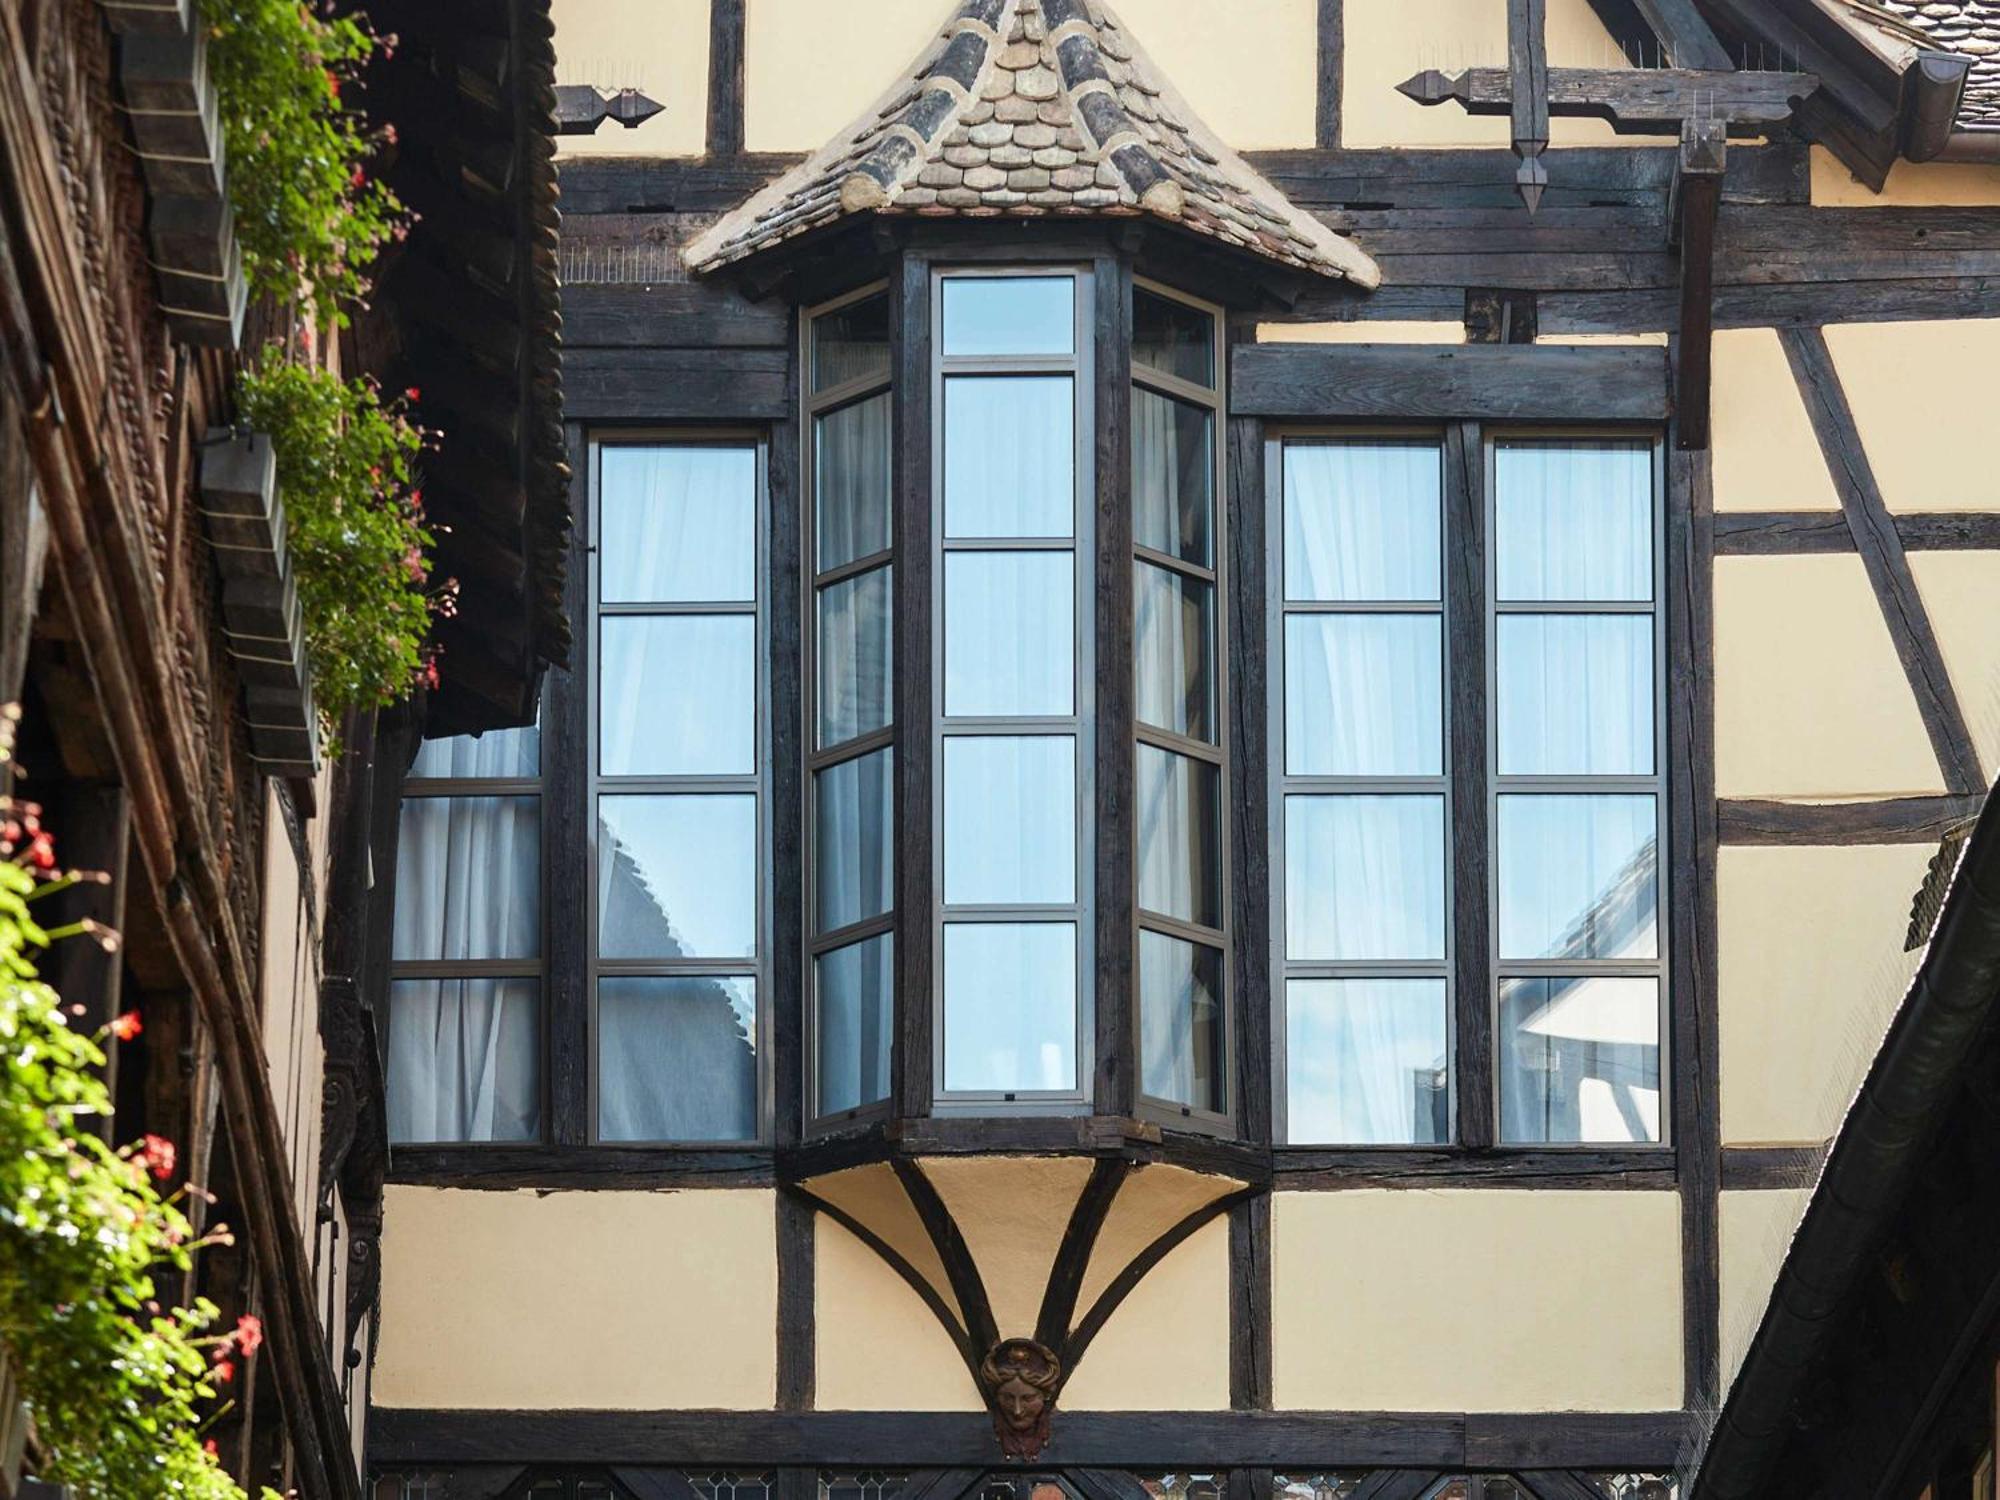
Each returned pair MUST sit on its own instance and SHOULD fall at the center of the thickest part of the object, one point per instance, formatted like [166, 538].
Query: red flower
[249, 1334]
[157, 1152]
[127, 1026]
[224, 1371]
[208, 1447]
[413, 394]
[42, 852]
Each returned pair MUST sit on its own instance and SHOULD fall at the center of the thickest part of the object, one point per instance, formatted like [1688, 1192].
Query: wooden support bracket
[1636, 101]
[1697, 193]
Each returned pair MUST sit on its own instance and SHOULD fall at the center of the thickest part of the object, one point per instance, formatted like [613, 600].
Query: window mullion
[567, 820]
[1117, 1023]
[1466, 562]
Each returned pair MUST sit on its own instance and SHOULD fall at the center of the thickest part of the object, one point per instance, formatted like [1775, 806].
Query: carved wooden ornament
[1019, 1379]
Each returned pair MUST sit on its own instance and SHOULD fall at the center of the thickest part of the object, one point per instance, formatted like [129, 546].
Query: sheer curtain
[1366, 1061]
[462, 1060]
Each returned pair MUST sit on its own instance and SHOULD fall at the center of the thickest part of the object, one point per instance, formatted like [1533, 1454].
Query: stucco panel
[1151, 1201]
[877, 1347]
[1363, 331]
[1130, 1366]
[1810, 968]
[1922, 395]
[1249, 68]
[1765, 454]
[1468, 1300]
[1911, 184]
[661, 48]
[1756, 1229]
[1961, 594]
[536, 1300]
[1012, 1211]
[810, 68]
[1810, 699]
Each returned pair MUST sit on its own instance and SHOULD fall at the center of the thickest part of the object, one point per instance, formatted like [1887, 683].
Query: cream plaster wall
[877, 1347]
[1467, 1300]
[1166, 1348]
[660, 47]
[1810, 969]
[524, 1299]
[873, 1197]
[1929, 184]
[1249, 69]
[1756, 1230]
[1384, 41]
[1012, 1211]
[1151, 1201]
[811, 67]
[1924, 399]
[1961, 594]
[1810, 700]
[1362, 331]
[1764, 452]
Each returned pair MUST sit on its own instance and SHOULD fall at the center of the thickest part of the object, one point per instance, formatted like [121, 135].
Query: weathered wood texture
[1776, 533]
[796, 1272]
[1250, 1304]
[725, 77]
[568, 859]
[1892, 820]
[1249, 779]
[1465, 611]
[1494, 382]
[1750, 1168]
[1684, 34]
[1332, 45]
[1313, 1168]
[1642, 101]
[1116, 794]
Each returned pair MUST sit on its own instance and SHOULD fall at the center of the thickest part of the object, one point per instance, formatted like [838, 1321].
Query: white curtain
[1010, 1006]
[1180, 858]
[854, 1023]
[1182, 1038]
[1362, 521]
[1573, 520]
[1365, 1062]
[853, 853]
[1575, 695]
[677, 523]
[1364, 695]
[1172, 477]
[1364, 877]
[1010, 820]
[463, 1060]
[851, 455]
[1009, 456]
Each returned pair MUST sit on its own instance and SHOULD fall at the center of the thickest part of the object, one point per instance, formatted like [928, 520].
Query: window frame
[1080, 365]
[1469, 675]
[758, 968]
[1215, 400]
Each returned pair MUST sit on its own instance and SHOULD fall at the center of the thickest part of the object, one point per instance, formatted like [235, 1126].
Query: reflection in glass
[677, 876]
[1364, 695]
[1579, 1060]
[1173, 477]
[1573, 520]
[1010, 1007]
[1575, 695]
[498, 752]
[469, 878]
[853, 852]
[1364, 877]
[464, 1060]
[851, 343]
[1367, 1062]
[677, 1058]
[1180, 831]
[677, 524]
[1579, 877]
[1172, 337]
[1009, 820]
[1002, 315]
[1009, 633]
[1173, 652]
[851, 483]
[855, 1025]
[677, 695]
[1009, 456]
[1362, 520]
[1183, 1041]
[854, 662]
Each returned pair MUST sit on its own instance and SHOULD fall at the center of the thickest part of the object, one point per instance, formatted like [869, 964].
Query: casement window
[1442, 668]
[466, 979]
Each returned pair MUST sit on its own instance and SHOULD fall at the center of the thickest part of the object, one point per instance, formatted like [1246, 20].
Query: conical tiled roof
[1030, 108]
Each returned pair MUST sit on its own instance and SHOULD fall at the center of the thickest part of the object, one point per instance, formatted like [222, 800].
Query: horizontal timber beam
[1492, 382]
[1893, 820]
[1202, 1439]
[1779, 533]
[1643, 101]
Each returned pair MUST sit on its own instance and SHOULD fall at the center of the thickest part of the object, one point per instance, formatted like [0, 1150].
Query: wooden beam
[1607, 1168]
[1250, 1304]
[1893, 820]
[1697, 196]
[796, 1284]
[1079, 1239]
[1688, 39]
[1465, 594]
[1751, 1168]
[1782, 533]
[1882, 555]
[1528, 86]
[1636, 101]
[725, 78]
[1332, 49]
[1494, 382]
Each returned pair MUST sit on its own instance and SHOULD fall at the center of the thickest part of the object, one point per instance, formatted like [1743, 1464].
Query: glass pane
[1010, 1006]
[1183, 1039]
[1009, 315]
[1579, 1060]
[1009, 633]
[853, 853]
[498, 752]
[1009, 820]
[1173, 477]
[1174, 653]
[469, 878]
[1009, 456]
[851, 342]
[1362, 520]
[1364, 695]
[677, 695]
[1180, 837]
[465, 1060]
[1364, 877]
[1576, 695]
[677, 876]
[1171, 336]
[854, 661]
[856, 1024]
[677, 524]
[1573, 520]
[677, 1058]
[1579, 877]
[851, 465]
[1367, 1062]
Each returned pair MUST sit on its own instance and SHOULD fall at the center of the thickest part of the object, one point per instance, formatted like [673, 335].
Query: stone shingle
[1970, 28]
[1008, 113]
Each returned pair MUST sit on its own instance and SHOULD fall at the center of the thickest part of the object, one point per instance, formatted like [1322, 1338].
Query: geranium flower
[127, 1026]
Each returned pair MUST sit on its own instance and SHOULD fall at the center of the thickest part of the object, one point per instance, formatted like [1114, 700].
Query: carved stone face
[1020, 1378]
[1019, 1404]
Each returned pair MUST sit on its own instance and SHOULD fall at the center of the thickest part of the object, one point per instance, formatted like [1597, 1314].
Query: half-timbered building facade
[1259, 693]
